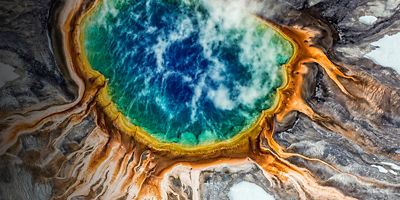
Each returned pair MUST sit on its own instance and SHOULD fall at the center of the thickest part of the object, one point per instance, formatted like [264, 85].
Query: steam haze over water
[188, 72]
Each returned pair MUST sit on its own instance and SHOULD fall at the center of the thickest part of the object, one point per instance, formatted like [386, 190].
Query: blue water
[187, 72]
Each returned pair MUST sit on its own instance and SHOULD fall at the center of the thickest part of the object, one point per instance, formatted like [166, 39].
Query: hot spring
[186, 71]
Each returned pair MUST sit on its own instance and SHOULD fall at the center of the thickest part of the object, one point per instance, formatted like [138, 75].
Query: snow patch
[393, 172]
[380, 168]
[246, 190]
[393, 166]
[7, 74]
[368, 20]
[386, 52]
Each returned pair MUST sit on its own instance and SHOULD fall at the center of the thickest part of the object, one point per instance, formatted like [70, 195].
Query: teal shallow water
[186, 72]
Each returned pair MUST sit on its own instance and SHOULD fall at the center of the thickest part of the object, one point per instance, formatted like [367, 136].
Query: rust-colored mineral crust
[160, 157]
[87, 148]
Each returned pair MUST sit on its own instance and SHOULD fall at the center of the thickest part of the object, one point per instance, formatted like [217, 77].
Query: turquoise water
[187, 72]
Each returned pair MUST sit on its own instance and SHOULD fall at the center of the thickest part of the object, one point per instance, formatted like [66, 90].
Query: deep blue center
[186, 72]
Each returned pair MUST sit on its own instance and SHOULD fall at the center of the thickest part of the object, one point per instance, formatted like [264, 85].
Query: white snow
[392, 165]
[380, 168]
[368, 20]
[246, 190]
[6, 74]
[393, 172]
[387, 52]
